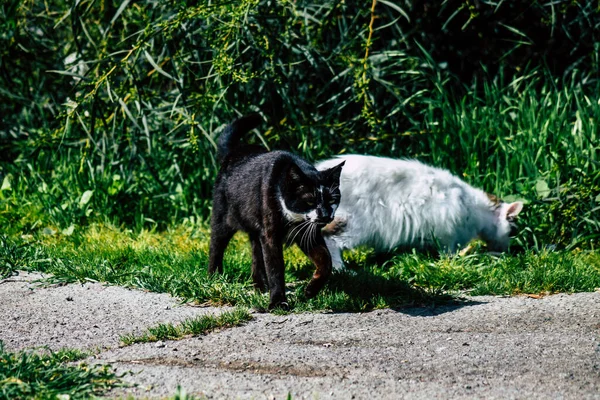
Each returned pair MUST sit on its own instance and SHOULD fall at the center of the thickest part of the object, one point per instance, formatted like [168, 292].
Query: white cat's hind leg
[336, 254]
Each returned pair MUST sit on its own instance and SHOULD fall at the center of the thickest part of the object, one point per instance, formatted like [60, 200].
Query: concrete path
[487, 347]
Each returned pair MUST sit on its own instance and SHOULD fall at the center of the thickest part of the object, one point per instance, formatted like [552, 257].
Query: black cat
[271, 196]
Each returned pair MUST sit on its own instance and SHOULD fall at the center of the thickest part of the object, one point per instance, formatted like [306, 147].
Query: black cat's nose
[323, 216]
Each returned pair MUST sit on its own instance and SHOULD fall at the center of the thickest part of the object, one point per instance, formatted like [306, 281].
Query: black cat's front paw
[281, 305]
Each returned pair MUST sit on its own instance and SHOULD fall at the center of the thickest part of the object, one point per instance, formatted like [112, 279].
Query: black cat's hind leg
[221, 234]
[259, 274]
[219, 240]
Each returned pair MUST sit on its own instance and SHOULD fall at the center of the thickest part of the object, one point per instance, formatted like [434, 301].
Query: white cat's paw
[339, 267]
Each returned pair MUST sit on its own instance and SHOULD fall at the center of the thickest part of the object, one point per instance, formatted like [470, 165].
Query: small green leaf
[514, 197]
[85, 197]
[48, 231]
[69, 231]
[542, 189]
[6, 183]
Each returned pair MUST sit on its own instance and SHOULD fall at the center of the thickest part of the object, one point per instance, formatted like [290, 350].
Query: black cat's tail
[232, 134]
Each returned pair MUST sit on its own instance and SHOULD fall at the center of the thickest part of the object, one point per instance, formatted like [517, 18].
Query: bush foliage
[110, 109]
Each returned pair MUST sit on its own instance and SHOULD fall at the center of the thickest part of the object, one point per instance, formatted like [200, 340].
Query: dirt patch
[236, 366]
[485, 347]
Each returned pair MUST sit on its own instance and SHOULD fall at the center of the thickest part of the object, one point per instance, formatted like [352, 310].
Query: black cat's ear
[333, 174]
[295, 174]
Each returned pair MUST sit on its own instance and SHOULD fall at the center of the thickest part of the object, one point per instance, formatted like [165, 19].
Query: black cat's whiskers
[306, 235]
[305, 229]
[310, 235]
[313, 234]
[298, 228]
[291, 231]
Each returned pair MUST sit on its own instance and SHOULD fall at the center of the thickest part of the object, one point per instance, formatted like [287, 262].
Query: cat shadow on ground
[360, 289]
[425, 303]
[439, 309]
[398, 294]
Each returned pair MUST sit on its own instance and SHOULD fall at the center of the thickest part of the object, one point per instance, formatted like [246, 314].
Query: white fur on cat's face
[290, 215]
[387, 202]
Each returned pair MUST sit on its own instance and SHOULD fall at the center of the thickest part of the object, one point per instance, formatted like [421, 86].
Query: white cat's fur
[388, 202]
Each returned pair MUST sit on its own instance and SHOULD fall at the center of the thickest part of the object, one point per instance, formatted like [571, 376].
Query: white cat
[386, 203]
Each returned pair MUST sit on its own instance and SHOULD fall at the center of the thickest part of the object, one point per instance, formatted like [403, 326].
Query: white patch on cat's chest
[289, 214]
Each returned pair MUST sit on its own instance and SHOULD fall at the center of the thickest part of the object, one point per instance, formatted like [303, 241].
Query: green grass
[175, 262]
[542, 272]
[49, 375]
[191, 326]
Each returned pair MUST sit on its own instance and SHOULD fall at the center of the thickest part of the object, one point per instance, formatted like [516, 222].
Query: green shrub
[113, 107]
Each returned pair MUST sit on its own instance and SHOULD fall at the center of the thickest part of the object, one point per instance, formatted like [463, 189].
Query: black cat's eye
[310, 202]
[332, 201]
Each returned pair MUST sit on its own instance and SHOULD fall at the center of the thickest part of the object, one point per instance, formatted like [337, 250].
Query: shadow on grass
[369, 287]
[377, 291]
